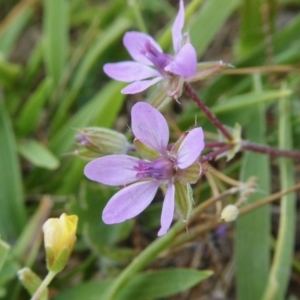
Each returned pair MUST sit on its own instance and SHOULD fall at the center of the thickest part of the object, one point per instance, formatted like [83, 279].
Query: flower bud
[59, 239]
[102, 141]
[31, 282]
[229, 213]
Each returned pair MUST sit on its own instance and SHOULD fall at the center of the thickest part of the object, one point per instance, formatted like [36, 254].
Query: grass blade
[282, 262]
[56, 37]
[252, 236]
[12, 209]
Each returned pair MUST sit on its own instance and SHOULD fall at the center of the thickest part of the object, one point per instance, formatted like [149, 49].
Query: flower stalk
[43, 285]
[212, 117]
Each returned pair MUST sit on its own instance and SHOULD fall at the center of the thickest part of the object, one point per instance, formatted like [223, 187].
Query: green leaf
[13, 26]
[30, 115]
[102, 43]
[4, 248]
[233, 104]
[56, 17]
[252, 237]
[210, 19]
[251, 25]
[12, 209]
[89, 207]
[99, 111]
[38, 155]
[279, 276]
[150, 285]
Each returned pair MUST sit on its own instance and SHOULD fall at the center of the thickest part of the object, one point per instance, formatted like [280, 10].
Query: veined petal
[112, 170]
[190, 148]
[135, 43]
[139, 86]
[129, 202]
[167, 210]
[129, 71]
[177, 28]
[185, 62]
[150, 127]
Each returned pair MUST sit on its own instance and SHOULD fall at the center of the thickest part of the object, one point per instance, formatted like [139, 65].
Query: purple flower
[174, 167]
[147, 54]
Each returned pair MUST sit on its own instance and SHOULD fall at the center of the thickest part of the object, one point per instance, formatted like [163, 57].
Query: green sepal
[160, 98]
[236, 142]
[208, 69]
[31, 282]
[144, 151]
[56, 263]
[104, 141]
[184, 200]
[191, 174]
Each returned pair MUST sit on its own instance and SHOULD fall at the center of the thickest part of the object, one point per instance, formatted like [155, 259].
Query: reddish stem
[269, 150]
[214, 154]
[189, 90]
[214, 144]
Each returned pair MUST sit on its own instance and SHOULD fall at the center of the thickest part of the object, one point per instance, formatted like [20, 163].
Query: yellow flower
[59, 239]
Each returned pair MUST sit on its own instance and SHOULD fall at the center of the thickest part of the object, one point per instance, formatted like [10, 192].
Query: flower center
[160, 169]
[159, 59]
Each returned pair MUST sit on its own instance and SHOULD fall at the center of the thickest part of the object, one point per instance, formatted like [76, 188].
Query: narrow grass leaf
[251, 25]
[279, 276]
[102, 43]
[100, 107]
[12, 26]
[4, 249]
[30, 115]
[210, 19]
[12, 209]
[150, 285]
[56, 30]
[38, 155]
[243, 101]
[252, 248]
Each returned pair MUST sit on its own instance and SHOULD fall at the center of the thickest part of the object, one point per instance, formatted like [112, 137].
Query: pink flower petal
[177, 28]
[129, 71]
[139, 86]
[167, 210]
[185, 62]
[112, 170]
[129, 202]
[135, 43]
[150, 127]
[190, 149]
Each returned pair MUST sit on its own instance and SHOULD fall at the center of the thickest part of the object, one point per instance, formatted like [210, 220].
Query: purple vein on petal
[129, 202]
[135, 43]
